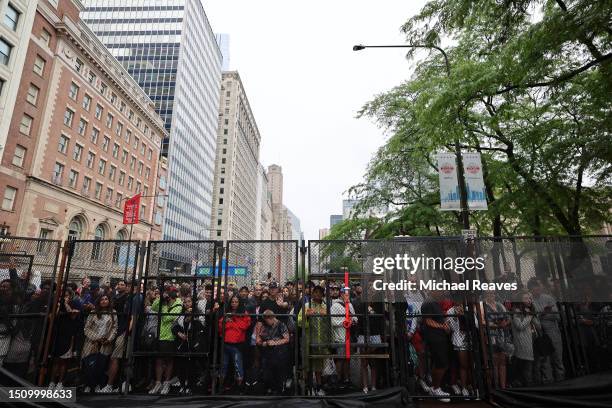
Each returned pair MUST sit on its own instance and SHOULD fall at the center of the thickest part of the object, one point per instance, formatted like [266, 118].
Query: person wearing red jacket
[234, 336]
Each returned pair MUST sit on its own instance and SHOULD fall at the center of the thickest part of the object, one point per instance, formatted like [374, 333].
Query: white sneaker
[51, 385]
[465, 392]
[165, 389]
[97, 390]
[373, 389]
[86, 390]
[456, 389]
[107, 389]
[174, 381]
[365, 390]
[442, 396]
[320, 392]
[424, 386]
[59, 386]
[125, 387]
[156, 388]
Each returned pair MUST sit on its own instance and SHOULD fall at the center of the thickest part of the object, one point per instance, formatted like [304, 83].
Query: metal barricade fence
[27, 274]
[175, 331]
[557, 324]
[258, 328]
[85, 329]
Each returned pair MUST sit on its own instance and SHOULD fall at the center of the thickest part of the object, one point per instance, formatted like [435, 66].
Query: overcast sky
[305, 85]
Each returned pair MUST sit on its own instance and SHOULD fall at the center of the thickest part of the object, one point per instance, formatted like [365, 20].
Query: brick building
[82, 138]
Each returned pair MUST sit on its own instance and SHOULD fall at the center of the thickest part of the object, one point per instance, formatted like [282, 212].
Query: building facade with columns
[83, 137]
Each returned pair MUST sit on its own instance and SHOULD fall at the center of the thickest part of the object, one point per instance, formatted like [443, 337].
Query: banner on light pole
[450, 196]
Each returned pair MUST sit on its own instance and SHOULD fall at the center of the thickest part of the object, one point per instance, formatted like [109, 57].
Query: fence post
[67, 252]
[219, 252]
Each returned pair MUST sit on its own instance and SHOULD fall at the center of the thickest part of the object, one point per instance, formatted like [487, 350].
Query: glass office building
[170, 49]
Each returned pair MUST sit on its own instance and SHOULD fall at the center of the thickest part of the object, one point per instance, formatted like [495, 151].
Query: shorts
[119, 347]
[417, 342]
[439, 350]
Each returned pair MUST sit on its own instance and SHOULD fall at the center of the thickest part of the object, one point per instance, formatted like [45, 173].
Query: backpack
[94, 369]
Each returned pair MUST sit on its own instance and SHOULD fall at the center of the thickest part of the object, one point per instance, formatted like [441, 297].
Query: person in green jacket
[169, 307]
[317, 331]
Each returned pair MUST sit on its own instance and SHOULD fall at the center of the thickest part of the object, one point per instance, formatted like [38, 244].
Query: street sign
[241, 271]
[131, 210]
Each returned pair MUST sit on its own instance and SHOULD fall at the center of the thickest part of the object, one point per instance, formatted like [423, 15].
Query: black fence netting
[259, 347]
[176, 327]
[27, 274]
[557, 323]
[92, 317]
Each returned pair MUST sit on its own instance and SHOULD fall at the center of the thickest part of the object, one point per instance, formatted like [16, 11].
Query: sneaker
[165, 389]
[456, 389]
[107, 389]
[86, 390]
[442, 396]
[465, 392]
[156, 388]
[97, 389]
[187, 391]
[174, 381]
[125, 388]
[320, 393]
[59, 386]
[424, 386]
[51, 385]
[373, 389]
[365, 390]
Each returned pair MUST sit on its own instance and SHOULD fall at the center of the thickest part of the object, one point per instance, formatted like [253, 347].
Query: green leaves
[528, 87]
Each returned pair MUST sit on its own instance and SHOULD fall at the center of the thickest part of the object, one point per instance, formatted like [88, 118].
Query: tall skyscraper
[235, 199]
[334, 219]
[224, 44]
[170, 49]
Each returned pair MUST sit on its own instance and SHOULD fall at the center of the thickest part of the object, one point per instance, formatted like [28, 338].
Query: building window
[227, 111]
[143, 147]
[128, 135]
[122, 107]
[101, 166]
[25, 126]
[131, 115]
[115, 150]
[78, 152]
[124, 156]
[113, 98]
[132, 162]
[147, 173]
[91, 77]
[98, 190]
[143, 211]
[32, 96]
[75, 229]
[45, 37]
[136, 142]
[94, 135]
[73, 178]
[78, 65]
[62, 147]
[121, 178]
[86, 102]
[130, 183]
[226, 122]
[109, 195]
[119, 129]
[82, 127]
[19, 156]
[74, 91]
[103, 88]
[140, 167]
[225, 131]
[223, 160]
[2, 82]
[138, 186]
[105, 143]
[224, 141]
[149, 154]
[111, 173]
[99, 110]
[11, 17]
[58, 172]
[91, 158]
[221, 200]
[86, 185]
[68, 117]
[8, 202]
[222, 180]
[118, 200]
[109, 121]
[39, 65]
[5, 51]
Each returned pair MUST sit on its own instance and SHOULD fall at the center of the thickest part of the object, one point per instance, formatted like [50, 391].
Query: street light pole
[463, 199]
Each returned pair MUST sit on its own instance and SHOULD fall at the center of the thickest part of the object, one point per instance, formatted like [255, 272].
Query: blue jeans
[232, 352]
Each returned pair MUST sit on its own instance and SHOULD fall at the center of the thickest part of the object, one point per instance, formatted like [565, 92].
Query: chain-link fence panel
[259, 336]
[90, 330]
[27, 275]
[177, 320]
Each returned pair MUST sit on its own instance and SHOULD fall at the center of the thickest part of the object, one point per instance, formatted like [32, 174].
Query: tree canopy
[525, 83]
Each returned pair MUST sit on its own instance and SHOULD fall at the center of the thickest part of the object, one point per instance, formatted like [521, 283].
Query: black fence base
[593, 391]
[388, 398]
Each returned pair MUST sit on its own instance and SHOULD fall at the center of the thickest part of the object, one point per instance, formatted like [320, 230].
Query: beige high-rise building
[15, 30]
[235, 193]
[281, 220]
[83, 137]
[263, 223]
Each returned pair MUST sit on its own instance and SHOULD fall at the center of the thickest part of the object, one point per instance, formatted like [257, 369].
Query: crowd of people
[264, 330]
